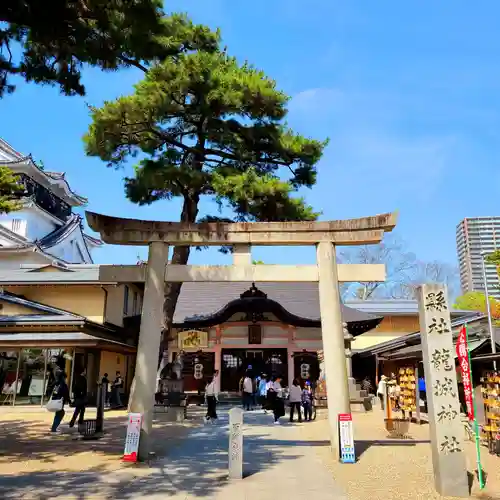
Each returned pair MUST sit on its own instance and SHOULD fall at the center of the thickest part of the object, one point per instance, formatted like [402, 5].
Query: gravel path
[394, 469]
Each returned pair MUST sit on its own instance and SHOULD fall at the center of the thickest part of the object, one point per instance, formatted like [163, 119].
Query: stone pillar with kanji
[446, 428]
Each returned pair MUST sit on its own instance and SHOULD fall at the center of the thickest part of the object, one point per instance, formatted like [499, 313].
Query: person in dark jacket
[116, 388]
[61, 391]
[80, 395]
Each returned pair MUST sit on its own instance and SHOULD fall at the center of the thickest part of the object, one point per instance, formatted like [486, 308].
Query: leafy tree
[10, 191]
[58, 37]
[207, 126]
[476, 301]
[257, 262]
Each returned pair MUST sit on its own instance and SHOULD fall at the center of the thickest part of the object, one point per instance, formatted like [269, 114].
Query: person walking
[382, 391]
[116, 401]
[263, 391]
[295, 400]
[422, 392]
[211, 397]
[61, 392]
[367, 385]
[80, 395]
[247, 391]
[279, 403]
[307, 401]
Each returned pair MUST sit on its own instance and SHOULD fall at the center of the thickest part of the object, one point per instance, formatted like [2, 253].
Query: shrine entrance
[159, 236]
[236, 362]
[306, 366]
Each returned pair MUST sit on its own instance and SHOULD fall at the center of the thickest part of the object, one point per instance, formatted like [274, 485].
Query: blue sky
[407, 92]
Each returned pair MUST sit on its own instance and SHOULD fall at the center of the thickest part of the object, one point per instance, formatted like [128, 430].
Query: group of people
[266, 392]
[61, 392]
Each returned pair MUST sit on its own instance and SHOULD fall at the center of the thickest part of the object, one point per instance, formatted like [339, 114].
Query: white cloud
[315, 100]
[372, 144]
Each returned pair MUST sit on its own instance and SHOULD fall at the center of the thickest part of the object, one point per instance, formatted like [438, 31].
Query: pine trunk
[181, 257]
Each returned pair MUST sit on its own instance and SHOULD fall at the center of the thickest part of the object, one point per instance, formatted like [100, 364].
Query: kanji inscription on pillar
[446, 429]
[236, 443]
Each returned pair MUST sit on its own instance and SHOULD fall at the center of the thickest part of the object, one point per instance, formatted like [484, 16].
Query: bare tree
[431, 272]
[404, 273]
[400, 265]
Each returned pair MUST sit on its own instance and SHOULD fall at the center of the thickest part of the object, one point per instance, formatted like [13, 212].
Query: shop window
[134, 303]
[32, 377]
[254, 334]
[8, 371]
[125, 301]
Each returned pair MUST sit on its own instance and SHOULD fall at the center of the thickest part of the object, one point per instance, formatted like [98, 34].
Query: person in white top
[279, 404]
[295, 399]
[211, 397]
[381, 390]
[247, 391]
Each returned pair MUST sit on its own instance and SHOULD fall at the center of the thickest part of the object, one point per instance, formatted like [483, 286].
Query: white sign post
[133, 436]
[236, 443]
[346, 439]
[446, 428]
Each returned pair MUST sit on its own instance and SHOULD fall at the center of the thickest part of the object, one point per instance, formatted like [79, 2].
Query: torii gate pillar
[143, 389]
[332, 334]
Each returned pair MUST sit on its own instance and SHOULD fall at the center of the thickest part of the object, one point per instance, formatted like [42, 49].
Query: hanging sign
[304, 370]
[462, 349]
[346, 439]
[193, 339]
[132, 439]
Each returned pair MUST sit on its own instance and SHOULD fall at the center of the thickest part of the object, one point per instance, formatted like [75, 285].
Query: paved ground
[289, 461]
[277, 462]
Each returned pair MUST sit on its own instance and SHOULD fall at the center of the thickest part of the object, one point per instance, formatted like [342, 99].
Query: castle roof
[53, 181]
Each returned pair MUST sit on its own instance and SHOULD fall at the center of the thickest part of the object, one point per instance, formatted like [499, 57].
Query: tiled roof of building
[301, 299]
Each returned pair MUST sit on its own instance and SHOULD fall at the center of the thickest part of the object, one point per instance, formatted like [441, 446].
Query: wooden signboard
[193, 339]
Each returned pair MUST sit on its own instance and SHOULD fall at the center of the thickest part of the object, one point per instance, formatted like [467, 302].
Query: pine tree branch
[133, 62]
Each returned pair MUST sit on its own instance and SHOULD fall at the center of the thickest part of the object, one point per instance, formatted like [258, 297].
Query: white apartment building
[475, 237]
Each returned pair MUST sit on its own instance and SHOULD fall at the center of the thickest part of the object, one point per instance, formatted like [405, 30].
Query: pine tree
[58, 37]
[207, 126]
[10, 190]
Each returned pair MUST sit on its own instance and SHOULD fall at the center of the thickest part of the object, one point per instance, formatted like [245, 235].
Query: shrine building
[272, 328]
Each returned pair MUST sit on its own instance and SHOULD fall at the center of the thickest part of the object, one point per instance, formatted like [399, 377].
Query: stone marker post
[448, 457]
[236, 443]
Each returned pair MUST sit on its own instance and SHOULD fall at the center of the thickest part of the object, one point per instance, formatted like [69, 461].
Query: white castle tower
[45, 230]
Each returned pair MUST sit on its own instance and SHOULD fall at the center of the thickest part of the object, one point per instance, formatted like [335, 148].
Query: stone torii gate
[159, 236]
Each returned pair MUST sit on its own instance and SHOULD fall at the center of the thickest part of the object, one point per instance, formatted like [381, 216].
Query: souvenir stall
[490, 390]
[408, 391]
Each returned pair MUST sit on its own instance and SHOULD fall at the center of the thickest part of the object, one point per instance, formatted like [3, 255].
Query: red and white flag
[463, 361]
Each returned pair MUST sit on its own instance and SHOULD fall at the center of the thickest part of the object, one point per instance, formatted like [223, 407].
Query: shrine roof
[205, 304]
[472, 318]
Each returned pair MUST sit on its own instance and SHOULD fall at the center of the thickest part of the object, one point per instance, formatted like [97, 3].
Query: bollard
[236, 443]
[101, 401]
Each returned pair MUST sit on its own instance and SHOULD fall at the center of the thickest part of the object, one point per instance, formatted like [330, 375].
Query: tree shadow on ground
[22, 440]
[362, 445]
[195, 466]
[198, 468]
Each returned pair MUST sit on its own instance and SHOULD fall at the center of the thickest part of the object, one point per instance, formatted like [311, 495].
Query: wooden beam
[258, 273]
